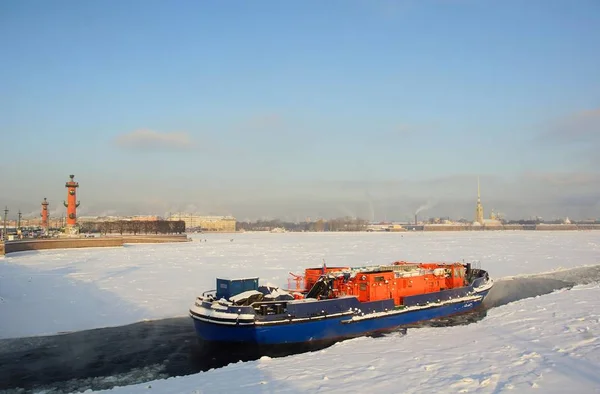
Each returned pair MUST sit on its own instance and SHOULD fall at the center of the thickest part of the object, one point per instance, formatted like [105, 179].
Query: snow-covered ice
[67, 290]
[549, 342]
[544, 343]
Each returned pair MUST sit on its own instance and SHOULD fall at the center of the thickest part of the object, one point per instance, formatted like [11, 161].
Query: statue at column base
[72, 231]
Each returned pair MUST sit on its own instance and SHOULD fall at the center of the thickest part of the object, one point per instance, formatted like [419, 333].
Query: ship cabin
[396, 281]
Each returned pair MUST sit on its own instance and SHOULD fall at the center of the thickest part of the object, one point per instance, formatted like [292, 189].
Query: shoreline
[81, 242]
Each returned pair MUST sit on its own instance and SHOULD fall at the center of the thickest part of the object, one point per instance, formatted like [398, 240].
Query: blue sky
[308, 108]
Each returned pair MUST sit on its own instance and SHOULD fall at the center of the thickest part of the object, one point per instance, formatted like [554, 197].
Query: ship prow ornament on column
[72, 228]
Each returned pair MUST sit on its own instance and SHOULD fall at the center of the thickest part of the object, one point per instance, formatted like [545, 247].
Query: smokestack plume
[423, 207]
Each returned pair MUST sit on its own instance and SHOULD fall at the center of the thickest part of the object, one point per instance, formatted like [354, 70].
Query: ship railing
[264, 307]
[478, 282]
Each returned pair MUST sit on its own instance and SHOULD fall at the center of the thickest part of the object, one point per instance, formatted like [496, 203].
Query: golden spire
[479, 207]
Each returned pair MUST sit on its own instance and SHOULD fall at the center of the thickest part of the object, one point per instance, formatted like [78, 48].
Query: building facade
[206, 223]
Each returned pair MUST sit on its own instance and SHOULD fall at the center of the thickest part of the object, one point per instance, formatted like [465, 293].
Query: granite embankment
[98, 242]
[505, 227]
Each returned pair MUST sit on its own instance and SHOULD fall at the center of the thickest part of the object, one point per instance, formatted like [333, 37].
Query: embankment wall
[531, 227]
[100, 242]
[154, 239]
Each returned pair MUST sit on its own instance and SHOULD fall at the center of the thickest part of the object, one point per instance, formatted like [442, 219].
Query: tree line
[134, 227]
[337, 224]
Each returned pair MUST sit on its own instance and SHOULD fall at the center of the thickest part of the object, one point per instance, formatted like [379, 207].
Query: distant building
[100, 219]
[385, 226]
[493, 221]
[88, 219]
[146, 218]
[478, 207]
[381, 226]
[206, 223]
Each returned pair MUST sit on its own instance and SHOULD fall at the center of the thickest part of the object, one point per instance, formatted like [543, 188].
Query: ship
[336, 303]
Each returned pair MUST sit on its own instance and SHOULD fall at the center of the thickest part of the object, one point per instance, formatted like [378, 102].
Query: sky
[265, 109]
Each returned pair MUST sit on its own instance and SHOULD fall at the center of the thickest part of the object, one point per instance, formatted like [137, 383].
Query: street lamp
[5, 215]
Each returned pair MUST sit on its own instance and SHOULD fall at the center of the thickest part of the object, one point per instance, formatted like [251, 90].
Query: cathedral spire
[479, 207]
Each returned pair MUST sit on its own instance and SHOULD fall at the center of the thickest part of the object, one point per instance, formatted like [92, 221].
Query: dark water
[127, 354]
[108, 357]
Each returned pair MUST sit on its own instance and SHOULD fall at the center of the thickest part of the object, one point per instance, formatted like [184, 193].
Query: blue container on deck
[229, 287]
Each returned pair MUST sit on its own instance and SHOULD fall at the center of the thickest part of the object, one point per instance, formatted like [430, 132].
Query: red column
[72, 202]
[45, 214]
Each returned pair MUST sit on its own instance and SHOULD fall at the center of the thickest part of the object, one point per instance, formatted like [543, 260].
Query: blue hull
[327, 328]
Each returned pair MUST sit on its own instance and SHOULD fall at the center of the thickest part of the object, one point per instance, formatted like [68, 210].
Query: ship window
[379, 279]
[363, 286]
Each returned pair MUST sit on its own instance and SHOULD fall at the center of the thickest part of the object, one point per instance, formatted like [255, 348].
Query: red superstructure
[395, 281]
[72, 202]
[45, 204]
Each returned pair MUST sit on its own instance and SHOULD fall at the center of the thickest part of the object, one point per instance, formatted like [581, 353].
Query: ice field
[549, 342]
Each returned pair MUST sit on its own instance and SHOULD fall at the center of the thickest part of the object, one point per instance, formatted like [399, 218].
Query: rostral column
[72, 205]
[45, 224]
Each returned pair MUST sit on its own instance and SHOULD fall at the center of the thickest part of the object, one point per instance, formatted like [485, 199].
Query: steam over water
[108, 357]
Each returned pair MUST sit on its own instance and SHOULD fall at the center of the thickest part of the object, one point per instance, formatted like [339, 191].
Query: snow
[542, 343]
[218, 314]
[278, 292]
[116, 286]
[549, 342]
[244, 295]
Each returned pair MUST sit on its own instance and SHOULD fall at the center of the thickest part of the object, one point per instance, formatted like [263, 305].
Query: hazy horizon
[369, 200]
[293, 110]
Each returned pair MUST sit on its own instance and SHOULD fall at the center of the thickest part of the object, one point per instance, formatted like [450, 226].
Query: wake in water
[136, 353]
[527, 286]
